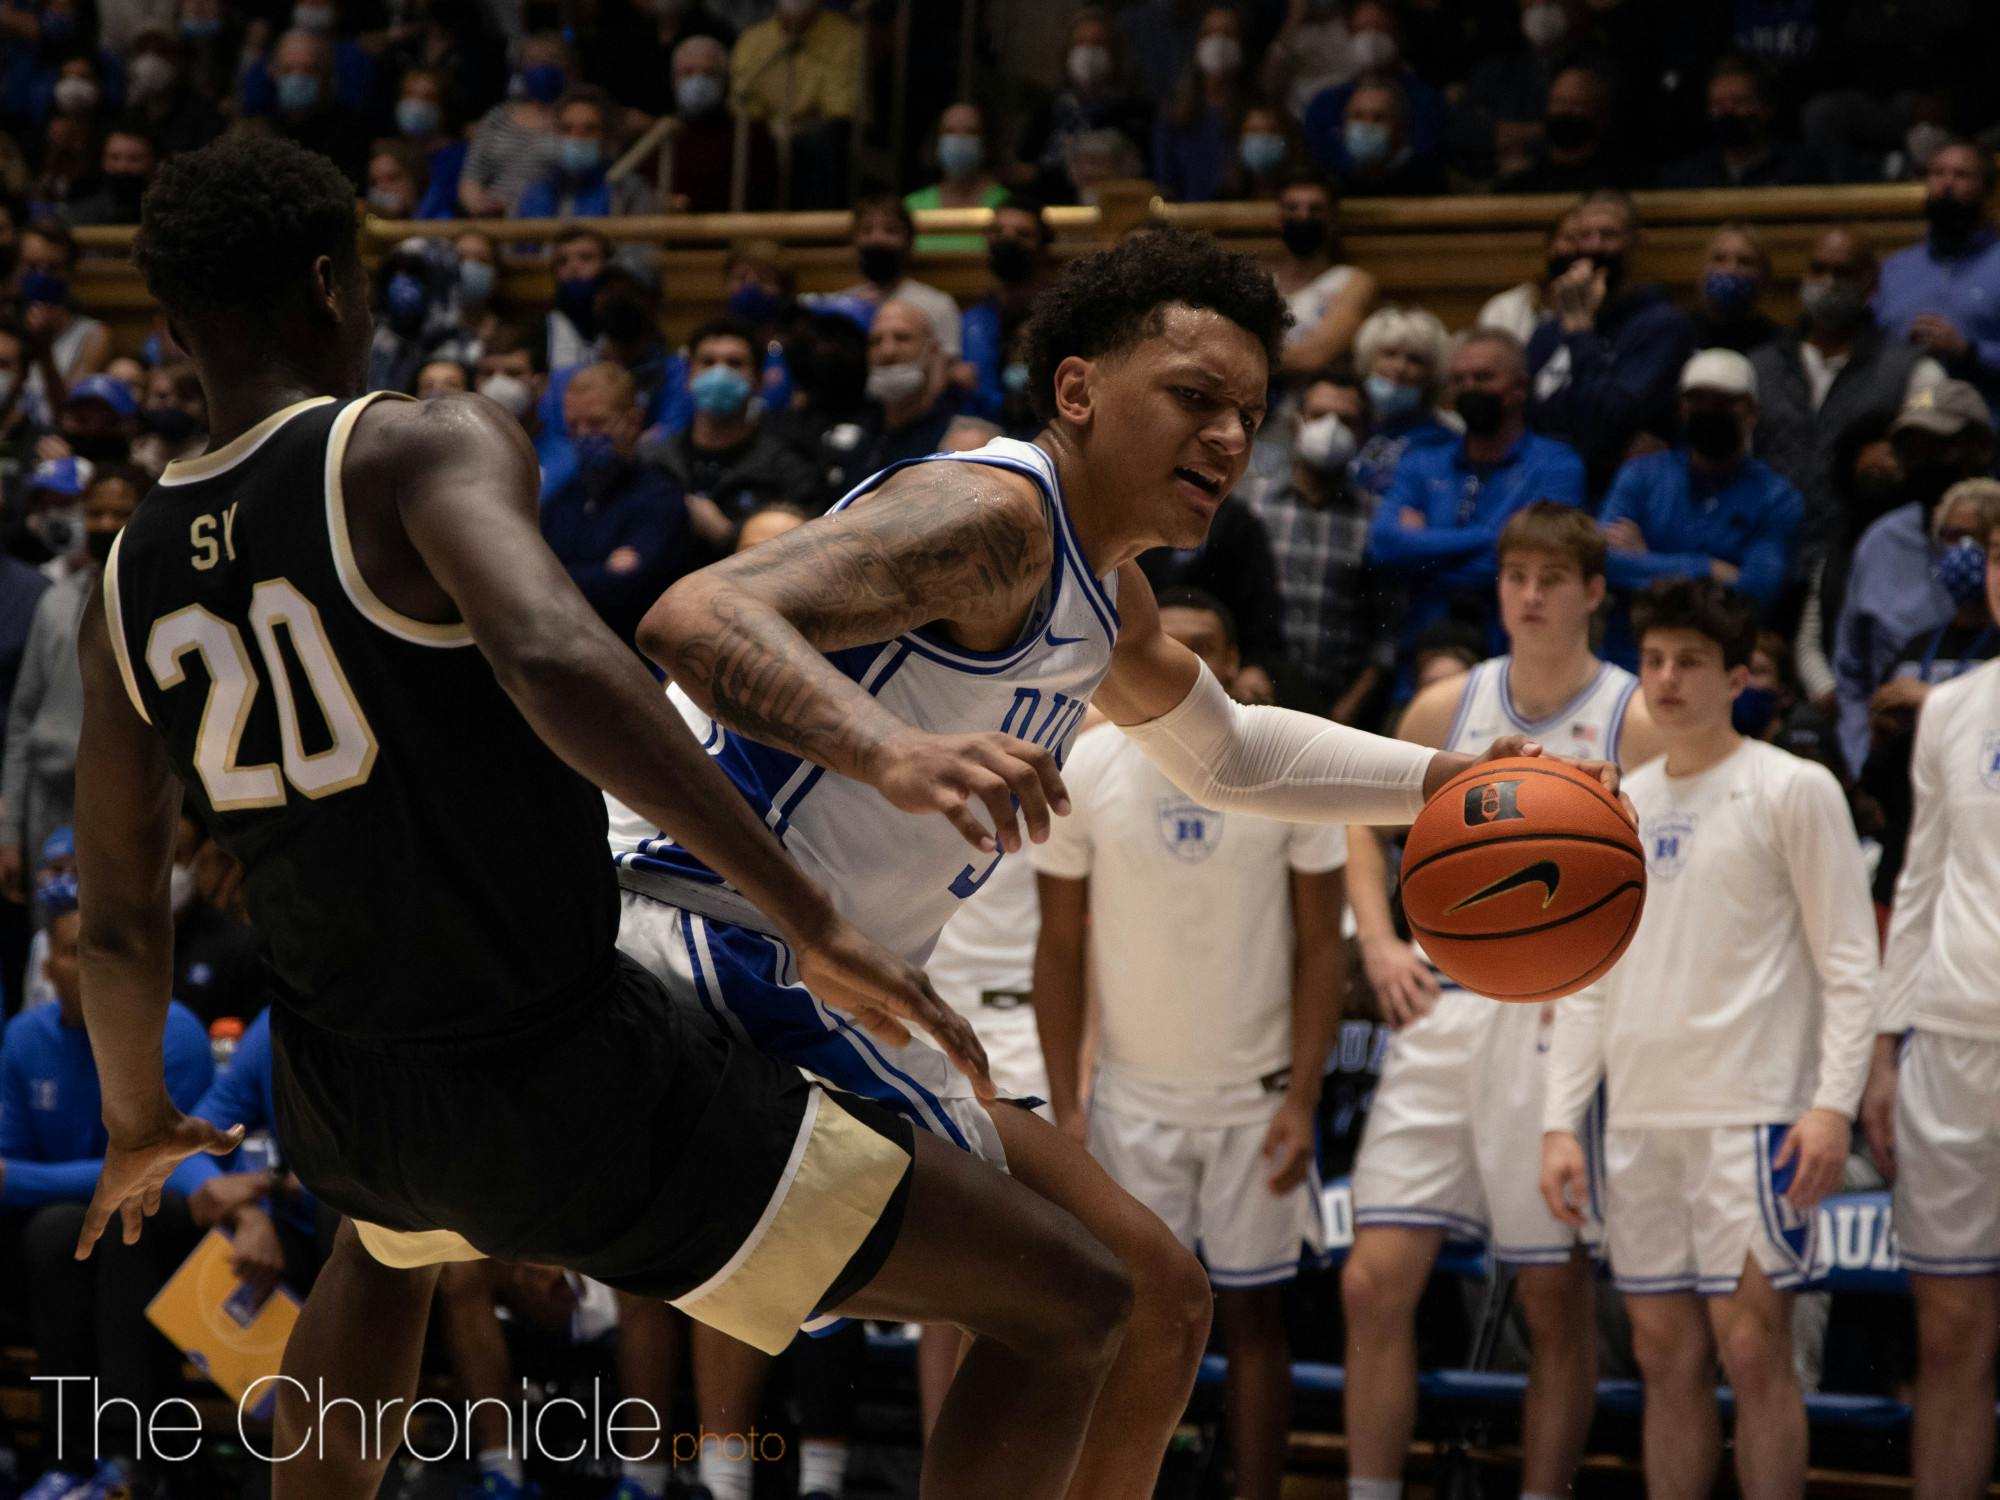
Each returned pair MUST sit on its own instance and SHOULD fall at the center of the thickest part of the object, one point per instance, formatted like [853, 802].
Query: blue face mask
[596, 455]
[720, 391]
[754, 303]
[298, 93]
[1015, 377]
[44, 286]
[199, 27]
[416, 117]
[960, 155]
[577, 300]
[1729, 292]
[1261, 152]
[406, 300]
[1367, 142]
[544, 82]
[1753, 711]
[577, 156]
[1392, 398]
[150, 354]
[475, 281]
[1961, 571]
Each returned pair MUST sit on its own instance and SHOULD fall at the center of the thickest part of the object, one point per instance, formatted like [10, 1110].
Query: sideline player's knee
[1669, 1354]
[1757, 1357]
[1956, 1335]
[1556, 1306]
[1379, 1291]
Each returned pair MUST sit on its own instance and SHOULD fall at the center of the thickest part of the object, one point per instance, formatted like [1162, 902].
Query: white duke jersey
[1587, 727]
[899, 876]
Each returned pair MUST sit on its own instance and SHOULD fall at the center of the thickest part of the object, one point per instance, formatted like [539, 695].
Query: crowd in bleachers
[1835, 470]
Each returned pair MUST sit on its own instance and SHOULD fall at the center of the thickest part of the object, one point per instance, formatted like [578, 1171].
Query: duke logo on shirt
[42, 1093]
[1989, 761]
[1668, 841]
[1190, 831]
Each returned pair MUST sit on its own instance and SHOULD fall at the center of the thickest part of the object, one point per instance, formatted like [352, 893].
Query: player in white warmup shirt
[888, 684]
[1732, 1040]
[1933, 1119]
[1214, 940]
[1452, 1146]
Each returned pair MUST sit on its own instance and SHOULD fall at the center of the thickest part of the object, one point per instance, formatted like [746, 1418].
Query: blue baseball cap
[109, 389]
[59, 845]
[64, 476]
[56, 895]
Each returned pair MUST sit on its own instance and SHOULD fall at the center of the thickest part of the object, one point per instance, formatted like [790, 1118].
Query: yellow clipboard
[206, 1310]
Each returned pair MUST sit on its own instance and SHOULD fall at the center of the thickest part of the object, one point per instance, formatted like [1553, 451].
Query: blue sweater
[641, 508]
[1749, 518]
[240, 1095]
[1964, 289]
[51, 1135]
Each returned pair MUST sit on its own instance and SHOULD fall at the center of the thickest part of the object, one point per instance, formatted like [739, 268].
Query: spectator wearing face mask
[350, 79]
[907, 380]
[478, 283]
[964, 180]
[417, 313]
[1704, 509]
[1375, 39]
[1607, 353]
[1943, 294]
[1496, 123]
[883, 234]
[424, 124]
[50, 532]
[1440, 518]
[1017, 254]
[577, 261]
[704, 141]
[1092, 98]
[758, 292]
[511, 373]
[64, 345]
[728, 462]
[1269, 153]
[797, 73]
[1837, 370]
[77, 95]
[211, 36]
[396, 180]
[1734, 270]
[515, 142]
[126, 167]
[1579, 153]
[160, 99]
[579, 187]
[1193, 136]
[306, 109]
[1743, 150]
[1894, 593]
[1327, 297]
[623, 52]
[173, 418]
[99, 420]
[1375, 138]
[1400, 353]
[619, 526]
[1335, 614]
[45, 716]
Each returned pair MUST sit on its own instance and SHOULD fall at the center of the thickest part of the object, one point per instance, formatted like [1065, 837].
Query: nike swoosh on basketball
[1049, 637]
[1543, 872]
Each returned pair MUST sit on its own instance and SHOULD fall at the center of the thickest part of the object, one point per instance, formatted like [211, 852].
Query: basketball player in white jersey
[889, 683]
[1214, 940]
[1933, 1116]
[1453, 1139]
[1732, 1040]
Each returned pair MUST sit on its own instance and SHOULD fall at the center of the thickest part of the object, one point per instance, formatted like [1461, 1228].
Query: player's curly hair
[1703, 607]
[232, 230]
[1106, 302]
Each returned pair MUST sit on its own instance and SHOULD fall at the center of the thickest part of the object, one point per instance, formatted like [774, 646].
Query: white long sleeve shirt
[1747, 995]
[1942, 969]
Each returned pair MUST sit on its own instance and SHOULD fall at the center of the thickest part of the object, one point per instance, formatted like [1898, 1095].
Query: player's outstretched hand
[1604, 771]
[1565, 1178]
[137, 1165]
[1816, 1150]
[948, 773]
[1403, 983]
[885, 997]
[1878, 1106]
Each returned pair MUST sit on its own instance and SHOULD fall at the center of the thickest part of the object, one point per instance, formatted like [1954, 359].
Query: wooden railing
[1447, 254]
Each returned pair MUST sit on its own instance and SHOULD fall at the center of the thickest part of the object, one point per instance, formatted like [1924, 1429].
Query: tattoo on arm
[744, 638]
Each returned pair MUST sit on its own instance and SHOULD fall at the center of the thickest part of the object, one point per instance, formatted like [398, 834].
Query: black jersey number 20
[233, 681]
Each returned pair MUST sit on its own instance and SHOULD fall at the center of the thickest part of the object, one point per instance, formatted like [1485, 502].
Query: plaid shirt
[1334, 607]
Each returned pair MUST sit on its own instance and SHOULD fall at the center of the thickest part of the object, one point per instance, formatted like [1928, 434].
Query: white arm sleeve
[1280, 764]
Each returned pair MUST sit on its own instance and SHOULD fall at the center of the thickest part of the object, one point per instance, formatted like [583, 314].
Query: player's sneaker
[55, 1485]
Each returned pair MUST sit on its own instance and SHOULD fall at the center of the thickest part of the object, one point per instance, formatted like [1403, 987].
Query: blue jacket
[1464, 511]
[640, 508]
[52, 1136]
[1751, 519]
[447, 163]
[240, 1095]
[1599, 388]
[979, 334]
[1893, 597]
[1965, 289]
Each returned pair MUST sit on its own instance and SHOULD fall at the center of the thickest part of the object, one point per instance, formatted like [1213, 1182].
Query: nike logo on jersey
[1051, 639]
[1543, 872]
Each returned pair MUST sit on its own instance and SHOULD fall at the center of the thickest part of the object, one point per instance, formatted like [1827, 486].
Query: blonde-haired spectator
[1400, 353]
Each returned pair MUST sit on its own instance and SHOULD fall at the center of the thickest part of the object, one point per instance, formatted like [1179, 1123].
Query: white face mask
[1544, 25]
[1089, 64]
[1218, 54]
[891, 384]
[76, 96]
[150, 74]
[509, 392]
[1372, 50]
[180, 888]
[1325, 443]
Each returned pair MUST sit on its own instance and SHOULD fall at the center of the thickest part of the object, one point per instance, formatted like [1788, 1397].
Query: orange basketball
[1523, 879]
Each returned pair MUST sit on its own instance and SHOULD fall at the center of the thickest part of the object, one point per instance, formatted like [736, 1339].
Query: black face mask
[1734, 130]
[1952, 220]
[126, 187]
[170, 422]
[1482, 412]
[1715, 435]
[100, 447]
[1876, 492]
[1569, 131]
[98, 545]
[881, 264]
[1010, 261]
[1304, 238]
[1927, 480]
[1613, 267]
[622, 319]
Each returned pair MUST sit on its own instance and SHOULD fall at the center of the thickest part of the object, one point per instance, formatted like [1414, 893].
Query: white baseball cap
[1722, 370]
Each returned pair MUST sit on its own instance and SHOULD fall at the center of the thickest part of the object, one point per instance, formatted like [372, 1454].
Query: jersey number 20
[233, 681]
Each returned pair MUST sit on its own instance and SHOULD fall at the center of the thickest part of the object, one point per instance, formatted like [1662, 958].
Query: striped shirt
[1335, 612]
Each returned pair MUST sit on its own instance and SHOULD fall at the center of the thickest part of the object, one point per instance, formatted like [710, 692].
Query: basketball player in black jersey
[340, 634]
